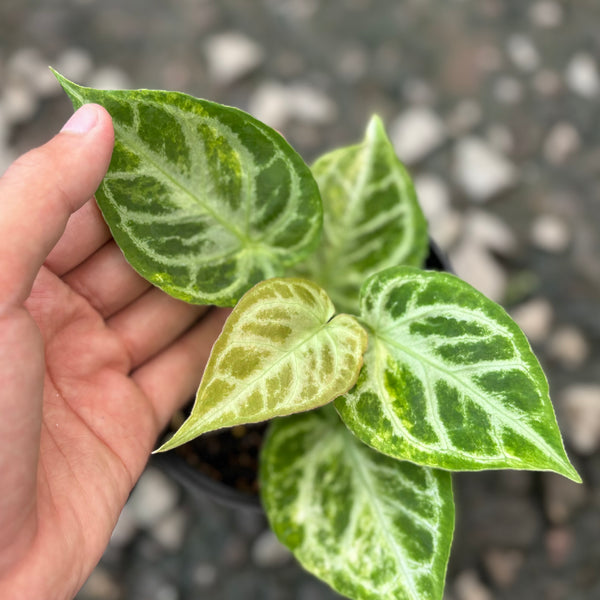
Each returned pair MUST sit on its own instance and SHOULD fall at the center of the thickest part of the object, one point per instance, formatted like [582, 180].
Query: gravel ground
[494, 106]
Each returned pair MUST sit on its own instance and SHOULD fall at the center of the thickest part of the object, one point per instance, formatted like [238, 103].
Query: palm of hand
[112, 376]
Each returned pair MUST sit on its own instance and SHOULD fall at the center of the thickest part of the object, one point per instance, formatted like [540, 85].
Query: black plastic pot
[193, 479]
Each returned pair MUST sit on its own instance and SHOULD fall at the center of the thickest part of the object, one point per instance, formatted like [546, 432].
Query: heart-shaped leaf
[203, 199]
[372, 219]
[280, 352]
[450, 380]
[372, 527]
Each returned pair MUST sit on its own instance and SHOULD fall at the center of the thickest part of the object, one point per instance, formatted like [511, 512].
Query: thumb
[40, 191]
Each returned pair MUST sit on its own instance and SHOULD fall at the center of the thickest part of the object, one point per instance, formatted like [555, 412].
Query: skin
[93, 361]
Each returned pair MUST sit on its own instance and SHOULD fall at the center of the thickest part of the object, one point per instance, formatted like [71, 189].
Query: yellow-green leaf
[280, 352]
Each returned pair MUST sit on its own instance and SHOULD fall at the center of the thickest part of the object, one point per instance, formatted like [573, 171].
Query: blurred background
[495, 108]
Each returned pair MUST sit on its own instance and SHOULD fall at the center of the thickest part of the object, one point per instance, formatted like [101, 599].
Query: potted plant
[380, 377]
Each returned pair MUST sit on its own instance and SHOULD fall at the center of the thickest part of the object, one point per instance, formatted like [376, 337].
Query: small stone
[417, 91]
[416, 133]
[310, 105]
[480, 170]
[100, 584]
[562, 142]
[464, 117]
[125, 529]
[562, 498]
[473, 263]
[110, 78]
[490, 232]
[503, 566]
[75, 63]
[550, 233]
[231, 56]
[352, 63]
[569, 347]
[546, 14]
[468, 586]
[581, 409]
[26, 64]
[268, 551]
[500, 138]
[535, 318]
[18, 103]
[270, 104]
[433, 195]
[547, 82]
[508, 90]
[153, 497]
[170, 531]
[559, 545]
[7, 157]
[204, 575]
[523, 53]
[582, 76]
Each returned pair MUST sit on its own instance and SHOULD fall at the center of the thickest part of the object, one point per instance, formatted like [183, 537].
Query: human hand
[93, 361]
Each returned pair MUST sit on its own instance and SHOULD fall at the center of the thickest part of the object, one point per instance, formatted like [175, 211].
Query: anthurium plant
[381, 378]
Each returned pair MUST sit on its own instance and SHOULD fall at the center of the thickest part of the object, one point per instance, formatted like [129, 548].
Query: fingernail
[82, 121]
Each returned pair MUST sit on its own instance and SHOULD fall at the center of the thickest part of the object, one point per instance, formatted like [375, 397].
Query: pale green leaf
[203, 199]
[280, 352]
[372, 527]
[372, 219]
[450, 380]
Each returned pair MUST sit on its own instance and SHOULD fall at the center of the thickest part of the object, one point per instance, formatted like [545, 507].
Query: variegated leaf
[372, 527]
[280, 352]
[203, 199]
[450, 380]
[372, 219]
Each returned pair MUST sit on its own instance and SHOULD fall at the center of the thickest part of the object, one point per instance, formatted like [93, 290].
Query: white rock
[7, 156]
[204, 575]
[110, 78]
[270, 104]
[19, 101]
[569, 347]
[508, 90]
[100, 584]
[562, 497]
[562, 141]
[268, 551]
[153, 497]
[27, 64]
[416, 133]
[550, 233]
[480, 170]
[468, 586]
[547, 82]
[523, 53]
[445, 224]
[171, 529]
[503, 565]
[125, 529]
[417, 91]
[231, 56]
[580, 407]
[477, 266]
[433, 195]
[535, 318]
[465, 116]
[501, 138]
[582, 76]
[490, 232]
[352, 63]
[75, 63]
[310, 105]
[546, 14]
